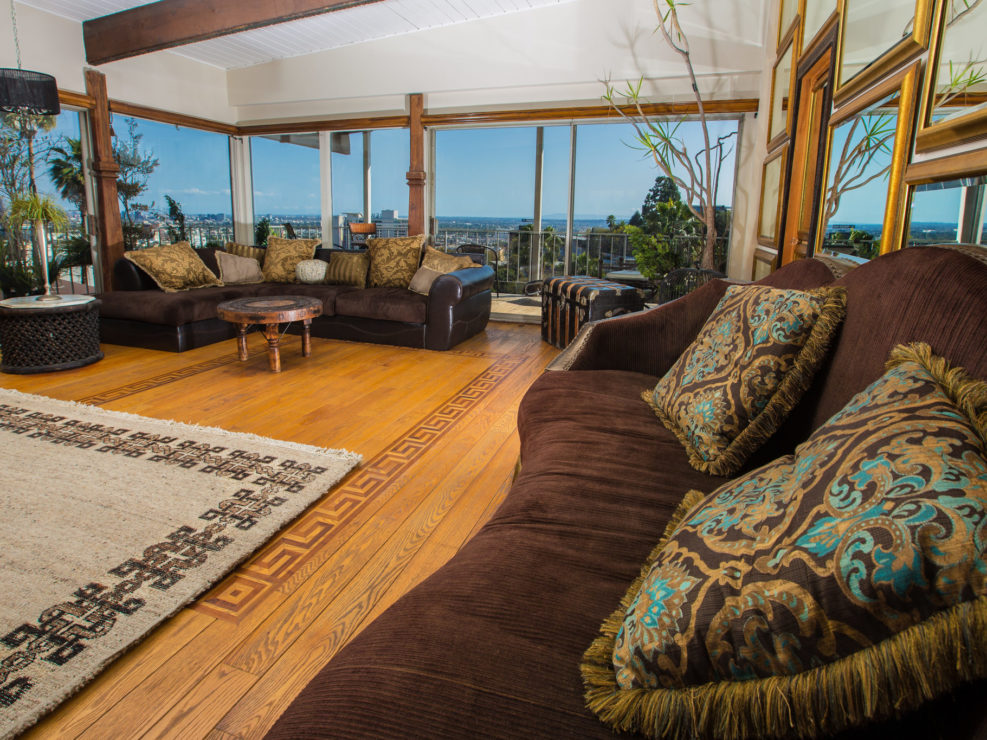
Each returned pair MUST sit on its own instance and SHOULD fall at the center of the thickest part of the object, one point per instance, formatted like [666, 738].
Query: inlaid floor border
[237, 595]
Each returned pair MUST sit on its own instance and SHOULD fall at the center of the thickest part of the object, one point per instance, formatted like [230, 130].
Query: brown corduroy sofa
[491, 644]
[138, 313]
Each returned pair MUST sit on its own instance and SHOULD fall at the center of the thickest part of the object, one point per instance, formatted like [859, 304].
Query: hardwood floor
[438, 437]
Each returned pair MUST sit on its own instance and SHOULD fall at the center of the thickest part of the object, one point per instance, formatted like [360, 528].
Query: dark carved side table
[43, 336]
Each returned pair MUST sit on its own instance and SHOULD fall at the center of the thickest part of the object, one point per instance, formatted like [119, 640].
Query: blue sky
[479, 172]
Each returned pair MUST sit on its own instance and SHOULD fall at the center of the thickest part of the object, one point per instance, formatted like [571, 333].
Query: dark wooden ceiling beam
[170, 23]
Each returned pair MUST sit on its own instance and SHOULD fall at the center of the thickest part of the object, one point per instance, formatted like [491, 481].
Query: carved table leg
[241, 342]
[306, 337]
[273, 346]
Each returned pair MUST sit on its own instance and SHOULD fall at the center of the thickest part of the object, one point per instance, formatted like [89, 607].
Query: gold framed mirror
[781, 90]
[771, 184]
[863, 210]
[955, 101]
[877, 36]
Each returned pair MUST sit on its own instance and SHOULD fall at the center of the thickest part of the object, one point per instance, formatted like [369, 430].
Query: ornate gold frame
[891, 59]
[952, 131]
[905, 83]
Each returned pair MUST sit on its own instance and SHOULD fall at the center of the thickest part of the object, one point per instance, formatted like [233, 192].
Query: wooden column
[105, 170]
[416, 174]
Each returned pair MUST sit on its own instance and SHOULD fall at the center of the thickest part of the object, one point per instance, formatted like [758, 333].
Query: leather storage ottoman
[569, 302]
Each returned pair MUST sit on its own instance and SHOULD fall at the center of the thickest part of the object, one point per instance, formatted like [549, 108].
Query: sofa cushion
[843, 584]
[283, 256]
[174, 267]
[747, 367]
[311, 272]
[348, 268]
[236, 270]
[393, 261]
[392, 304]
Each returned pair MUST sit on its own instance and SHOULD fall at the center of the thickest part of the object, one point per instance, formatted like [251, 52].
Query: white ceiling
[317, 33]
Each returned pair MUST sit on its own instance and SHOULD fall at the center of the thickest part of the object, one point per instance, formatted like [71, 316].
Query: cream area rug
[111, 522]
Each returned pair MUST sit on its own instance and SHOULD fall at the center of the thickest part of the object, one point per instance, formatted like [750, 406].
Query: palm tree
[65, 171]
[39, 210]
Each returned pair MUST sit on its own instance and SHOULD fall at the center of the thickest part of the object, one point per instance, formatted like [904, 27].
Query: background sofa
[491, 644]
[139, 314]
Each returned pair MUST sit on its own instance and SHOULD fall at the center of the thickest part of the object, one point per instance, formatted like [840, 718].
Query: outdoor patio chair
[485, 256]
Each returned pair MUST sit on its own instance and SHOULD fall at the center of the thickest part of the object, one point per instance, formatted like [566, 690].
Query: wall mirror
[878, 36]
[781, 87]
[787, 11]
[956, 93]
[771, 176]
[862, 210]
[951, 211]
[814, 17]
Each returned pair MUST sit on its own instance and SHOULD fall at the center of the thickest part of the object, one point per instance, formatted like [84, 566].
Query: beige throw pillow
[394, 261]
[283, 256]
[234, 270]
[174, 267]
[422, 281]
[348, 269]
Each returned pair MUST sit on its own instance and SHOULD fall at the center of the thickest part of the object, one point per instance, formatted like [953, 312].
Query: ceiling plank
[170, 23]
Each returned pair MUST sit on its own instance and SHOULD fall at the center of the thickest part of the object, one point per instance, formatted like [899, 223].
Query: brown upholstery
[392, 304]
[490, 645]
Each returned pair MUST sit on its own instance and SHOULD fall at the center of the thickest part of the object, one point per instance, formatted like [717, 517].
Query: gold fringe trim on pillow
[788, 393]
[968, 393]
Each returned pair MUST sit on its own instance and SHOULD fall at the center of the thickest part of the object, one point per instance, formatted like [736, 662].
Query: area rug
[111, 522]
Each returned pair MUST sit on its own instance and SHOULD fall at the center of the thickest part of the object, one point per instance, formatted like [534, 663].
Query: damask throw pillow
[442, 262]
[348, 268]
[842, 584]
[283, 255]
[174, 267]
[394, 261]
[245, 250]
[235, 270]
[748, 366]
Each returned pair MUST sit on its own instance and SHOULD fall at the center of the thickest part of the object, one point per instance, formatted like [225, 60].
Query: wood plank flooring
[438, 437]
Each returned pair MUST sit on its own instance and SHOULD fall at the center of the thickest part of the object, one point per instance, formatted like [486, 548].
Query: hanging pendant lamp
[24, 91]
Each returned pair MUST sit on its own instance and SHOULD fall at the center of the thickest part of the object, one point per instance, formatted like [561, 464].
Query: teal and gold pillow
[748, 366]
[842, 584]
[174, 267]
[283, 255]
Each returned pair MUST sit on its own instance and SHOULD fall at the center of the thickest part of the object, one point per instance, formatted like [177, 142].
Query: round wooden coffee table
[271, 311]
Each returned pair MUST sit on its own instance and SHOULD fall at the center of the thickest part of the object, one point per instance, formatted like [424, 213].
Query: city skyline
[480, 173]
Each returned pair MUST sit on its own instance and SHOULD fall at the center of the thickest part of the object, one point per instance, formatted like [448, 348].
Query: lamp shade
[23, 91]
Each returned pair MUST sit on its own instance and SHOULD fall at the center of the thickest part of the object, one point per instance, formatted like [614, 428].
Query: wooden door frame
[822, 45]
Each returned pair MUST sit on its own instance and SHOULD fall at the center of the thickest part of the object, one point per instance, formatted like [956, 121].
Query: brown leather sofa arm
[459, 285]
[645, 342]
[128, 276]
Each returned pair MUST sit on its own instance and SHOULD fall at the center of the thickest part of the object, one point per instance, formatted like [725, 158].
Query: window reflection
[949, 212]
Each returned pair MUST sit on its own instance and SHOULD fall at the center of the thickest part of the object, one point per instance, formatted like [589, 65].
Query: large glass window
[287, 193]
[174, 184]
[42, 157]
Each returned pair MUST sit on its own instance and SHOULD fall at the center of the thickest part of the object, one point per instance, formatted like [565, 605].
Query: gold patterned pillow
[174, 267]
[746, 369]
[842, 584]
[348, 268]
[394, 261]
[244, 250]
[442, 262]
[283, 256]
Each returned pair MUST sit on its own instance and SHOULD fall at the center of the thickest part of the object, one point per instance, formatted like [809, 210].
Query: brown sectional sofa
[491, 644]
[139, 314]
